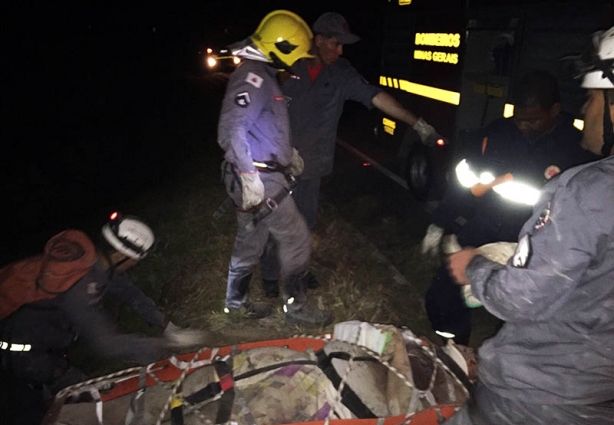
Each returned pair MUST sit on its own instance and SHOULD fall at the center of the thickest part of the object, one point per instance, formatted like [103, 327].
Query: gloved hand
[450, 245]
[183, 337]
[432, 239]
[426, 132]
[252, 189]
[297, 165]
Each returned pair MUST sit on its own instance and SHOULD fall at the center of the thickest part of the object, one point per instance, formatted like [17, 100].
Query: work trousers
[285, 225]
[445, 305]
[306, 197]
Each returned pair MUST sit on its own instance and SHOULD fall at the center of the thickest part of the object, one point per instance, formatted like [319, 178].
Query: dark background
[100, 102]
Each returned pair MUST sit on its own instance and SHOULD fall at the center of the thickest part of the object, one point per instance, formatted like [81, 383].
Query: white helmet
[129, 235]
[598, 62]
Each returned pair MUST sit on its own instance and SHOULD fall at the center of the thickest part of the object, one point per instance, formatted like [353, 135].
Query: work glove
[297, 165]
[426, 132]
[430, 243]
[252, 189]
[450, 245]
[178, 336]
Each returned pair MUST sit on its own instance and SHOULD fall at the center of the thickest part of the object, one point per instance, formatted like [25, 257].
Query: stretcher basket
[312, 380]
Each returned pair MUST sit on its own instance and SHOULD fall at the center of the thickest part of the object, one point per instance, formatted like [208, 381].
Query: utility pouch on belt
[270, 204]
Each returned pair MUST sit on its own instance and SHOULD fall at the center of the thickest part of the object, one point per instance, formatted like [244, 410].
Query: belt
[14, 347]
[269, 167]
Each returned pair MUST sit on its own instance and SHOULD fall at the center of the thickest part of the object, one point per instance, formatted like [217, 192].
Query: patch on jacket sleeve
[551, 171]
[254, 80]
[242, 99]
[544, 217]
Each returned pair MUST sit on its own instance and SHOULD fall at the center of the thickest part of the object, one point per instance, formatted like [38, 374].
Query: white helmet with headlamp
[129, 236]
[598, 62]
[596, 68]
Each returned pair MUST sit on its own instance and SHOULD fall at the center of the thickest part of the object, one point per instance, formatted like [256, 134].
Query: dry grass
[187, 274]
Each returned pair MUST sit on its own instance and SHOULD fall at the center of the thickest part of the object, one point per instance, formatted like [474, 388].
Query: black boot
[297, 311]
[237, 298]
[312, 282]
[306, 314]
[271, 288]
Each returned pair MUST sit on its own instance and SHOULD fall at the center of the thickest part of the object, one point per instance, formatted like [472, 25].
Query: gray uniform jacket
[315, 109]
[51, 325]
[556, 296]
[254, 118]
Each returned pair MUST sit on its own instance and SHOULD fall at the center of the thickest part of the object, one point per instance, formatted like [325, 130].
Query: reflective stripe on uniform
[504, 186]
[14, 347]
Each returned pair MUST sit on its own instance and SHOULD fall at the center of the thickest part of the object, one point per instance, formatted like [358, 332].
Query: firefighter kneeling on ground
[498, 184]
[46, 301]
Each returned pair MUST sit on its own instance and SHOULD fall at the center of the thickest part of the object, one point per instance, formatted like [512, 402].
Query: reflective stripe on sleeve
[14, 347]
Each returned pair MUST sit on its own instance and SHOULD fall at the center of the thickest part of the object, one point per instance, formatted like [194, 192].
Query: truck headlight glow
[211, 62]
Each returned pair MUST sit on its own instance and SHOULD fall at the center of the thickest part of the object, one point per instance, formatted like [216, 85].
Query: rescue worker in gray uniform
[552, 362]
[39, 324]
[317, 94]
[254, 133]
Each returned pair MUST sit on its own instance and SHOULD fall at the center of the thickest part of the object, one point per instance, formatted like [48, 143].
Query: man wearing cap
[317, 98]
[317, 93]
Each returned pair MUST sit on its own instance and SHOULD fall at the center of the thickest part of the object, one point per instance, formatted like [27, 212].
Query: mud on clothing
[557, 300]
[254, 126]
[490, 218]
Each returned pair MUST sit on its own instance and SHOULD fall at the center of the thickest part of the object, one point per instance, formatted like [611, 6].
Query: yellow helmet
[284, 37]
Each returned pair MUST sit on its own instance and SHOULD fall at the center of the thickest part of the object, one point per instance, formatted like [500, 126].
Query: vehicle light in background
[209, 50]
[113, 215]
[366, 164]
[211, 62]
[441, 142]
[236, 60]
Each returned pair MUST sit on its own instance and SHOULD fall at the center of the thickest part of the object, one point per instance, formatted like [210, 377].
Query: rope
[348, 368]
[177, 385]
[173, 388]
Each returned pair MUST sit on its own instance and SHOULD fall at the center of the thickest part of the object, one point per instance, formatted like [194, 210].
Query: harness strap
[348, 396]
[608, 131]
[136, 411]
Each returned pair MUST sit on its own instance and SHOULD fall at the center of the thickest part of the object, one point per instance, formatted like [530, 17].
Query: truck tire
[419, 172]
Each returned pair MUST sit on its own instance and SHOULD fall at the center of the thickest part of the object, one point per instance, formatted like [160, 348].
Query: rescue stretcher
[368, 375]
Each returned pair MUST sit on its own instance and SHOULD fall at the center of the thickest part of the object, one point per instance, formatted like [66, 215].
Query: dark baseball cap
[333, 24]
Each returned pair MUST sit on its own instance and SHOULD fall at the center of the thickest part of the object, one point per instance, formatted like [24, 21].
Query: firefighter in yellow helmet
[254, 132]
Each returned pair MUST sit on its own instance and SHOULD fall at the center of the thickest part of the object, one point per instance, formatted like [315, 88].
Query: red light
[441, 142]
[366, 164]
[113, 215]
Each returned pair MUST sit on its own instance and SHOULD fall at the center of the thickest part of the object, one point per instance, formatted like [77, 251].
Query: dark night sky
[90, 90]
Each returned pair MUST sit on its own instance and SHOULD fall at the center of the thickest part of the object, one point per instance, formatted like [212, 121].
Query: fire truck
[455, 64]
